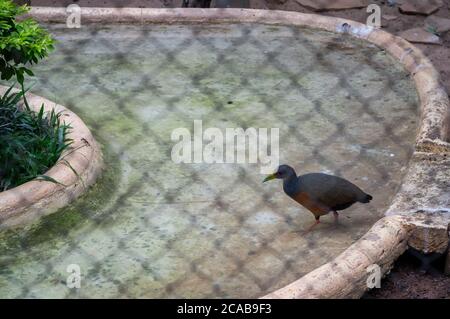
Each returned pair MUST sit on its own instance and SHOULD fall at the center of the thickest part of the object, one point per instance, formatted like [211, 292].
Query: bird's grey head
[283, 172]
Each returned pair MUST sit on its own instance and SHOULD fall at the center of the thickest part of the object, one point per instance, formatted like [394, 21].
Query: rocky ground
[424, 22]
[408, 280]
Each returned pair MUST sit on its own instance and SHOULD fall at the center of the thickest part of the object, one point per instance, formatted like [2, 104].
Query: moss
[272, 29]
[201, 100]
[60, 223]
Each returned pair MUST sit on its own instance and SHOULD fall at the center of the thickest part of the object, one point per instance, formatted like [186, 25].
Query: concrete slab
[439, 24]
[419, 35]
[423, 7]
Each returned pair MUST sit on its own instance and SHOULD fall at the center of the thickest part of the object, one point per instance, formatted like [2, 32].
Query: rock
[392, 3]
[424, 7]
[324, 5]
[230, 4]
[389, 17]
[257, 4]
[447, 264]
[437, 23]
[419, 35]
[429, 239]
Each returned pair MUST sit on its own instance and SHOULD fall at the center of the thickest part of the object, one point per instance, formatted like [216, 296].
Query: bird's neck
[290, 184]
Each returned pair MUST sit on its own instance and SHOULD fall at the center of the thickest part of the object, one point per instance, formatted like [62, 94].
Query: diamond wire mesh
[174, 56]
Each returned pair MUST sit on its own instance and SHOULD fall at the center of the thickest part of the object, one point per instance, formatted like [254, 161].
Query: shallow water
[153, 228]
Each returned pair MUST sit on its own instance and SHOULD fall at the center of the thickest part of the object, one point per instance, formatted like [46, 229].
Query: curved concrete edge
[348, 274]
[36, 198]
[408, 221]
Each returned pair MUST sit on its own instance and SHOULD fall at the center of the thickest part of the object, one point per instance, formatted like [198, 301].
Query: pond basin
[152, 228]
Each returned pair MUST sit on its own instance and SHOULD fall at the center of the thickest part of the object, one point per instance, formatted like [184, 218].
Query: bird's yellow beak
[269, 178]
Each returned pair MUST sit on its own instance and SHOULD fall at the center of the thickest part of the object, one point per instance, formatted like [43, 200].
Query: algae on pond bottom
[154, 228]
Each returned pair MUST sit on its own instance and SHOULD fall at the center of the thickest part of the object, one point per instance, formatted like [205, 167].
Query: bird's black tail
[367, 198]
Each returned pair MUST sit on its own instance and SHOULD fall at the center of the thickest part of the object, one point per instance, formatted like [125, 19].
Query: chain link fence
[151, 227]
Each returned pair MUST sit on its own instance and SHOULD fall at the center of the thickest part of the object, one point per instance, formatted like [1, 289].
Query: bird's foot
[310, 228]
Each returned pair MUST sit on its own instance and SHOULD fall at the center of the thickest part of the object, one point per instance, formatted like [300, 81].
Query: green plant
[30, 142]
[21, 42]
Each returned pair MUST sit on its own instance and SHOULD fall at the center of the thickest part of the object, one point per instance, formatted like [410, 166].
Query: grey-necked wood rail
[319, 193]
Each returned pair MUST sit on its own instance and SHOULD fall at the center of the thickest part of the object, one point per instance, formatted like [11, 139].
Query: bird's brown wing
[331, 191]
[337, 199]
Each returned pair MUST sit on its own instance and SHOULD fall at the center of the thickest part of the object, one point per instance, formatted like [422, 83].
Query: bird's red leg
[313, 225]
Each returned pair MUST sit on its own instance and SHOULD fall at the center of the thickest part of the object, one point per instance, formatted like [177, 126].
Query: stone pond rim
[34, 199]
[419, 215]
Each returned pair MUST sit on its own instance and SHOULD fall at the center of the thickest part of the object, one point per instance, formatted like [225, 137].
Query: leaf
[41, 113]
[21, 41]
[19, 75]
[48, 179]
[28, 71]
[66, 162]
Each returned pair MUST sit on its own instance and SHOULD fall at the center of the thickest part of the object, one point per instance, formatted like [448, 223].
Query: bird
[320, 193]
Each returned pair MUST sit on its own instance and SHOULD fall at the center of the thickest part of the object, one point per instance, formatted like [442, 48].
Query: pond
[151, 227]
